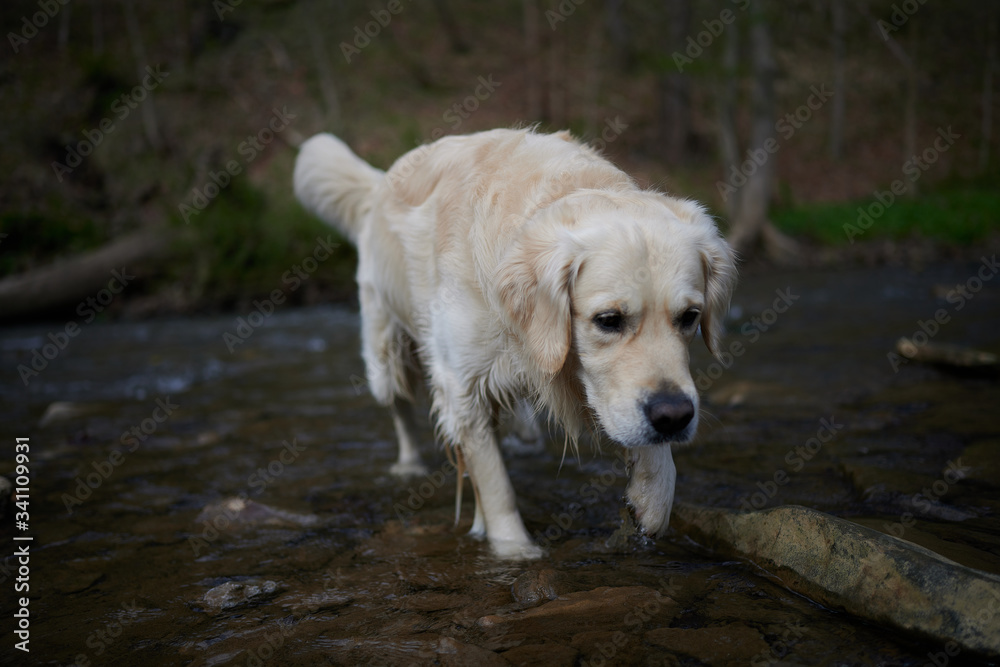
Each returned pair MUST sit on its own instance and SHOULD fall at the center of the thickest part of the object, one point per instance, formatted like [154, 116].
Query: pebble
[233, 594]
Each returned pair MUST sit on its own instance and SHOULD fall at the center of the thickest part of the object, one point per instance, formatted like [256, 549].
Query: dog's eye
[611, 321]
[689, 318]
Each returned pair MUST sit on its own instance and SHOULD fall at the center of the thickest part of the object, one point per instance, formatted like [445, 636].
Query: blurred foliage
[958, 216]
[228, 72]
[245, 241]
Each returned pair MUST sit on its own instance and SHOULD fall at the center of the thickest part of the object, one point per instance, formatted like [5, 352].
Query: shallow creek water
[243, 511]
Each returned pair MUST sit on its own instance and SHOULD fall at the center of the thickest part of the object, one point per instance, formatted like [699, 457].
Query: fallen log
[49, 289]
[946, 355]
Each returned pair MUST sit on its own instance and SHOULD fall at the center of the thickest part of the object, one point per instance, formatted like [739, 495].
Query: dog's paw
[410, 469]
[653, 520]
[516, 550]
[478, 530]
[651, 489]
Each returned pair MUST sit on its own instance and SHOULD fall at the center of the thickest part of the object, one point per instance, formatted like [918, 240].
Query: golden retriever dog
[510, 265]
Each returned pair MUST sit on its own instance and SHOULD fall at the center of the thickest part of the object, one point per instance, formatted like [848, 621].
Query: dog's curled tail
[335, 184]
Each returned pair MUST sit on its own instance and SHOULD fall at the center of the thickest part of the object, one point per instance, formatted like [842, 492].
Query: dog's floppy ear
[719, 264]
[533, 283]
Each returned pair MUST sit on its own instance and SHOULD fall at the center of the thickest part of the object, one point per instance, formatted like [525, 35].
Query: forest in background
[160, 136]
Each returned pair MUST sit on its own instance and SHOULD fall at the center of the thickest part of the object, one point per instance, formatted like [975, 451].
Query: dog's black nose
[669, 414]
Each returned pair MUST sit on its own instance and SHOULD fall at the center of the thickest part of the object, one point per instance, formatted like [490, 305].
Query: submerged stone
[537, 586]
[941, 354]
[233, 594]
[628, 609]
[236, 511]
[733, 643]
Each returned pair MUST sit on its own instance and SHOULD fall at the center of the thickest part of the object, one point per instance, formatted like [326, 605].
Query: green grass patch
[960, 216]
[246, 243]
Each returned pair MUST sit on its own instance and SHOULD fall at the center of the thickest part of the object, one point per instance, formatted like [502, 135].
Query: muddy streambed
[195, 505]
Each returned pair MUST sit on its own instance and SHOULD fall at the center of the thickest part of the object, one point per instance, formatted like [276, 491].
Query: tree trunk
[727, 89]
[147, 109]
[447, 16]
[747, 227]
[97, 27]
[621, 41]
[556, 80]
[752, 229]
[592, 82]
[908, 60]
[839, 20]
[327, 87]
[532, 75]
[181, 38]
[68, 282]
[912, 89]
[64, 22]
[986, 128]
[409, 59]
[675, 88]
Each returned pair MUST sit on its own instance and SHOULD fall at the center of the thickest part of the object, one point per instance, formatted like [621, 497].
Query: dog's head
[622, 281]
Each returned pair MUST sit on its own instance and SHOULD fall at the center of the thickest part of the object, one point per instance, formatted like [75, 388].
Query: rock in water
[233, 594]
[947, 355]
[867, 573]
[534, 587]
[242, 512]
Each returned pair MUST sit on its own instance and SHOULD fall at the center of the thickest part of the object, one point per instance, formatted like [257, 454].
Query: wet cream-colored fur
[507, 265]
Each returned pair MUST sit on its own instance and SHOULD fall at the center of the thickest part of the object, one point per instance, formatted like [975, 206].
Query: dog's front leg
[496, 506]
[651, 488]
